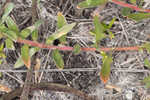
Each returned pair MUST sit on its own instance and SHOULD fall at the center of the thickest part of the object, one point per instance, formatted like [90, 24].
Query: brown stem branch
[48, 86]
[26, 88]
[34, 11]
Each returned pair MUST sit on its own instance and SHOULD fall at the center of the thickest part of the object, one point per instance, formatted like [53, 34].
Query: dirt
[126, 70]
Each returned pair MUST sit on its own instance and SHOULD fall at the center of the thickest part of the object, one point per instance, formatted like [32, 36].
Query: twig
[14, 78]
[34, 11]
[48, 86]
[131, 70]
[54, 70]
[26, 88]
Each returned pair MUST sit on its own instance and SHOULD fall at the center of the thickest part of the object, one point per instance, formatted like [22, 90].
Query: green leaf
[19, 63]
[0, 72]
[58, 59]
[11, 35]
[146, 46]
[61, 32]
[38, 23]
[1, 47]
[105, 71]
[133, 2]
[147, 63]
[11, 24]
[9, 44]
[8, 9]
[148, 84]
[2, 54]
[77, 49]
[33, 50]
[147, 81]
[3, 29]
[25, 56]
[125, 11]
[111, 35]
[31, 30]
[111, 23]
[135, 16]
[25, 33]
[104, 55]
[90, 3]
[34, 35]
[61, 21]
[139, 16]
[99, 29]
[8, 33]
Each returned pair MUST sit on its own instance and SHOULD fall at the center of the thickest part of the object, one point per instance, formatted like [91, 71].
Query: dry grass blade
[36, 68]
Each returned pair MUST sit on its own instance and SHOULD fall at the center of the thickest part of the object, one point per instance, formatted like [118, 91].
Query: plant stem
[67, 48]
[121, 3]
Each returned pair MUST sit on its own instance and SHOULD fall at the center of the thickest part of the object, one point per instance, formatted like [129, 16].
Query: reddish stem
[67, 48]
[121, 3]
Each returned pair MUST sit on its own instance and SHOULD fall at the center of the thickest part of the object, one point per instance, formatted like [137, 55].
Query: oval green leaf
[25, 33]
[34, 35]
[99, 29]
[58, 59]
[19, 63]
[8, 9]
[61, 20]
[61, 32]
[25, 56]
[147, 63]
[105, 71]
[9, 44]
[11, 24]
[77, 49]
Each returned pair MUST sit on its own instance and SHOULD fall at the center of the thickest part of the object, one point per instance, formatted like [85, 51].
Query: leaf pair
[63, 29]
[33, 30]
[11, 31]
[26, 54]
[101, 28]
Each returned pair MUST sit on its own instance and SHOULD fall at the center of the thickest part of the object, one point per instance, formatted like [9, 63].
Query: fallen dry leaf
[108, 86]
[4, 88]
